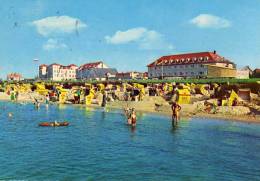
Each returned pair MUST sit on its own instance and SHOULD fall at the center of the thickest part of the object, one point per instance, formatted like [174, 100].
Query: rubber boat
[53, 124]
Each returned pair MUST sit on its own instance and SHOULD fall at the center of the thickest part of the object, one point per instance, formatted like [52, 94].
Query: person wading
[104, 99]
[128, 115]
[133, 116]
[176, 108]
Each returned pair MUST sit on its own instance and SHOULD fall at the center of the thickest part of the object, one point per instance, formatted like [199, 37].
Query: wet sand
[188, 111]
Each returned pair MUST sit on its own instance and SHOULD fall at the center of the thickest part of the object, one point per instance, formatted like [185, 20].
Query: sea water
[98, 145]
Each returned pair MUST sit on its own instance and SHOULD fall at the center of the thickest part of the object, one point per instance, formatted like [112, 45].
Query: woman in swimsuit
[128, 116]
[133, 116]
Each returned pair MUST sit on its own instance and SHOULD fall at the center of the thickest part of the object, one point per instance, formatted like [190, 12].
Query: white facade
[84, 70]
[186, 65]
[129, 75]
[242, 74]
[191, 70]
[58, 72]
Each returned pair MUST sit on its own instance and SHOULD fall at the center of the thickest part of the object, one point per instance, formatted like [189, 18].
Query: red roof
[189, 58]
[90, 65]
[62, 66]
[72, 65]
[257, 70]
[11, 75]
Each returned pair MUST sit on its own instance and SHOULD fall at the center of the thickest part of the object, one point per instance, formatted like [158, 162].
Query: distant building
[57, 72]
[202, 64]
[256, 73]
[95, 71]
[43, 72]
[243, 73]
[14, 77]
[129, 75]
[249, 70]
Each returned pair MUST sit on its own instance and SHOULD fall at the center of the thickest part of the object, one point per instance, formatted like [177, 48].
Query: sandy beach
[157, 105]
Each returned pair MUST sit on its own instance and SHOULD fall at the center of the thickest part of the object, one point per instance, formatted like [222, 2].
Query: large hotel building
[202, 64]
[90, 71]
[57, 72]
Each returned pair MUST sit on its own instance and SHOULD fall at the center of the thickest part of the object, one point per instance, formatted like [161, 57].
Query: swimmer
[10, 114]
[133, 117]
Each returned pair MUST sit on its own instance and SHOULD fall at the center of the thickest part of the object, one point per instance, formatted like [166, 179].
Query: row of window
[178, 74]
[186, 60]
[62, 75]
[180, 66]
[61, 71]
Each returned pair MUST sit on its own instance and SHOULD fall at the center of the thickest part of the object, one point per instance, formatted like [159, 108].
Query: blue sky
[124, 34]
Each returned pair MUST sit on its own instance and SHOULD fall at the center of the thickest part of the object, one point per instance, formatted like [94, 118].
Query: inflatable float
[53, 124]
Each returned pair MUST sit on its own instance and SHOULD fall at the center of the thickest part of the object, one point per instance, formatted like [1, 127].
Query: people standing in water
[128, 115]
[47, 100]
[37, 104]
[133, 117]
[104, 99]
[16, 95]
[176, 108]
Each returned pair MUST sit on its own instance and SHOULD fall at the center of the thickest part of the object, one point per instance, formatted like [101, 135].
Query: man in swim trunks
[176, 112]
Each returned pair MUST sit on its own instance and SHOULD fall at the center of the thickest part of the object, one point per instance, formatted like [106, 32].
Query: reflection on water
[62, 106]
[88, 112]
[99, 145]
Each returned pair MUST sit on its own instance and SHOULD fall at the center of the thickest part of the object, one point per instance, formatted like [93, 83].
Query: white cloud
[154, 40]
[52, 44]
[121, 37]
[146, 39]
[58, 24]
[210, 21]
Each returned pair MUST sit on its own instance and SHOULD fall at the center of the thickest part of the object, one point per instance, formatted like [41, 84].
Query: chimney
[214, 52]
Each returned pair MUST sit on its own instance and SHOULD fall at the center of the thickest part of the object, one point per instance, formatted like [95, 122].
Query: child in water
[176, 112]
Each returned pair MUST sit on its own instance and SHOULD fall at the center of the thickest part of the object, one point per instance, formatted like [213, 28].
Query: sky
[127, 35]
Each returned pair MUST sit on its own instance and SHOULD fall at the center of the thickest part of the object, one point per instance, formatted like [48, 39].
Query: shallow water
[99, 145]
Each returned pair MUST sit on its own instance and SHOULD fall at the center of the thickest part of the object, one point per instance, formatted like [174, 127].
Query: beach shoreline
[188, 111]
